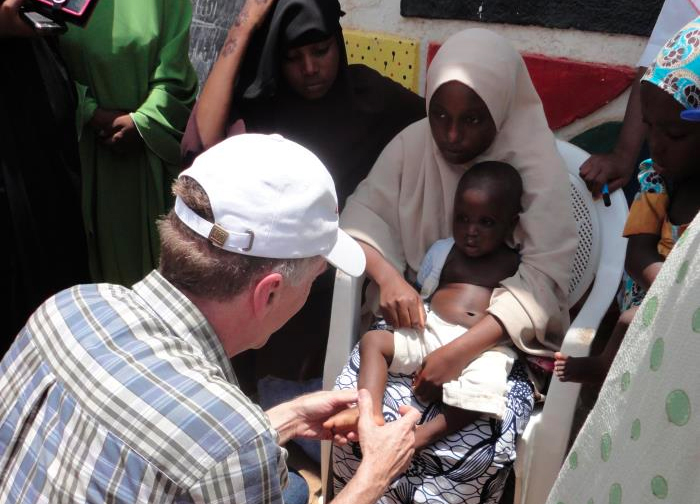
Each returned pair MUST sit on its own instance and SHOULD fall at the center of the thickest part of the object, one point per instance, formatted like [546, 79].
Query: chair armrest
[344, 328]
[343, 333]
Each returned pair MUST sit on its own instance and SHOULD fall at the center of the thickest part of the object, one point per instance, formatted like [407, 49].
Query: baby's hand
[440, 366]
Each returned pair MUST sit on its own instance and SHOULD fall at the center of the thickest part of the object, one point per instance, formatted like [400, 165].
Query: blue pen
[606, 195]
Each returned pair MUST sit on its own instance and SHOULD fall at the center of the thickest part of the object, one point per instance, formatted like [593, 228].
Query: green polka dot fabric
[640, 442]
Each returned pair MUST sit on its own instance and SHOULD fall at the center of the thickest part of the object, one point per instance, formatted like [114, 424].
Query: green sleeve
[86, 107]
[162, 117]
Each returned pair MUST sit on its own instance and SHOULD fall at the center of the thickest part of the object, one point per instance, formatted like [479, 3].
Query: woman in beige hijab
[481, 106]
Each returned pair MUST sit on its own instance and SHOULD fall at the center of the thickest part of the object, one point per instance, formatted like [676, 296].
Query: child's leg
[376, 353]
[595, 368]
[450, 420]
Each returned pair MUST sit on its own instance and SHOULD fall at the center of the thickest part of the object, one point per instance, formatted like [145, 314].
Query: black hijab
[292, 23]
[347, 128]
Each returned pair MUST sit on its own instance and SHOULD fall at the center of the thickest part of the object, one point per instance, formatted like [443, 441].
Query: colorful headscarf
[676, 69]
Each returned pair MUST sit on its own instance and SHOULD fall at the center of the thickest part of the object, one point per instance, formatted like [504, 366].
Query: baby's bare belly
[462, 304]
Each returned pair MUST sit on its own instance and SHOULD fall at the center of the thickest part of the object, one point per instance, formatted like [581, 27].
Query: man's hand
[386, 452]
[11, 25]
[400, 304]
[613, 169]
[440, 366]
[387, 449]
[304, 416]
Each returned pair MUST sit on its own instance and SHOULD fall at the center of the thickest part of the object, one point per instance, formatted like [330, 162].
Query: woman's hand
[125, 137]
[11, 25]
[253, 13]
[116, 130]
[400, 304]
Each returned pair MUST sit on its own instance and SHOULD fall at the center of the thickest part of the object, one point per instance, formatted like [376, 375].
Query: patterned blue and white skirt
[469, 466]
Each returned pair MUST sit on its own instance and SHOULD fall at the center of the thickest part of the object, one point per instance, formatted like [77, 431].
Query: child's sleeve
[648, 210]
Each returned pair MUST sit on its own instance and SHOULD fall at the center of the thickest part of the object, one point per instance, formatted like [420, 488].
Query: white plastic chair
[599, 259]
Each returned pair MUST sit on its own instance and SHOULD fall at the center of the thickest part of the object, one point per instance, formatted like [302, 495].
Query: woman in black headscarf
[283, 69]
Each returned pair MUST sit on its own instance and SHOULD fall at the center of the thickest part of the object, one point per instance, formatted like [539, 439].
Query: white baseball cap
[270, 198]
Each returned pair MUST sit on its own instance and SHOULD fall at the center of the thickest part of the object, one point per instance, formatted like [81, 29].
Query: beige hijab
[405, 204]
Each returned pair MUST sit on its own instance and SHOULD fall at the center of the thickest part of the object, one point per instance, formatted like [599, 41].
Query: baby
[457, 277]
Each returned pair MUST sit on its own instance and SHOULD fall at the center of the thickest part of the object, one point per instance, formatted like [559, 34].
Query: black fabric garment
[44, 243]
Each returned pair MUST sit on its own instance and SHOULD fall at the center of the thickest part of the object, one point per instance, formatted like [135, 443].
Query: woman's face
[674, 143]
[460, 122]
[310, 70]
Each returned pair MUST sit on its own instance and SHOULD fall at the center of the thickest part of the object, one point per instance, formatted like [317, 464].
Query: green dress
[132, 56]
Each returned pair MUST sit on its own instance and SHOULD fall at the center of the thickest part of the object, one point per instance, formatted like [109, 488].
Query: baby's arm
[447, 362]
[643, 260]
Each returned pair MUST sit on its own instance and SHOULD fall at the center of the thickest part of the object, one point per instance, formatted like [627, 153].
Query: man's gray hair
[192, 263]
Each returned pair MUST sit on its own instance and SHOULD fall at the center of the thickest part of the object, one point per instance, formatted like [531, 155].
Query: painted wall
[591, 15]
[613, 49]
[212, 18]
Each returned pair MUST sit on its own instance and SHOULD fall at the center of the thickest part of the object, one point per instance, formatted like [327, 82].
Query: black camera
[51, 16]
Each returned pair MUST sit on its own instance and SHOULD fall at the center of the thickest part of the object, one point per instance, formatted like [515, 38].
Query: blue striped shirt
[120, 395]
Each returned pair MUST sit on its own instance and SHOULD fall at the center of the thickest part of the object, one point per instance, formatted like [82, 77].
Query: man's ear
[266, 293]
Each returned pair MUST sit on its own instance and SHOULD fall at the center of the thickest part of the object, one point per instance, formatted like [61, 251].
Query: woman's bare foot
[580, 369]
[346, 421]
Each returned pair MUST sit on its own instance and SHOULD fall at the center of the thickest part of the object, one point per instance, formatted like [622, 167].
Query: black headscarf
[292, 23]
[347, 128]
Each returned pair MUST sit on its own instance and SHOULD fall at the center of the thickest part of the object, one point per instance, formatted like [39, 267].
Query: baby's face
[482, 222]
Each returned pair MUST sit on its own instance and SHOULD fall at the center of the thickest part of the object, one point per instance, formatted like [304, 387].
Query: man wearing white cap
[127, 395]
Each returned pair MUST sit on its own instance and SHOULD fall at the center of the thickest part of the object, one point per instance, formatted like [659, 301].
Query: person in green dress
[136, 87]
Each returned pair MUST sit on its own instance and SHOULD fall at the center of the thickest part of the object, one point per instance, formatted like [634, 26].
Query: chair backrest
[587, 255]
[599, 261]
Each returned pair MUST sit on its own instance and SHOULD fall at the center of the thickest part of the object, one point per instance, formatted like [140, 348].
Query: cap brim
[691, 115]
[347, 255]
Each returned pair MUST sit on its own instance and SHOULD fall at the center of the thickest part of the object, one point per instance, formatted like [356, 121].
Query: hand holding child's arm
[304, 416]
[386, 451]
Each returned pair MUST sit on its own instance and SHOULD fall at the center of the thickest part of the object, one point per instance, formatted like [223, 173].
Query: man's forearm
[284, 420]
[365, 487]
